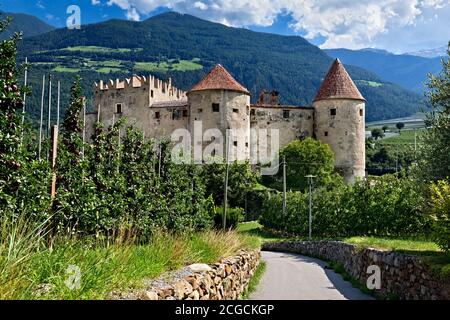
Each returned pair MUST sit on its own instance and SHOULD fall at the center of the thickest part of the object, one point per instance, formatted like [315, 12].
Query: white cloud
[341, 23]
[95, 2]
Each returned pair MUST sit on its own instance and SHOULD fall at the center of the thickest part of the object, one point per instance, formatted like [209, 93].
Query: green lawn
[66, 69]
[255, 229]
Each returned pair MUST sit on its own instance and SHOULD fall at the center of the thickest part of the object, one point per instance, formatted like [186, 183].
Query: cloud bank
[341, 23]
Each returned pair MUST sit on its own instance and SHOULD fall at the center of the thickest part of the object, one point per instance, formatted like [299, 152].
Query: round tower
[339, 112]
[217, 103]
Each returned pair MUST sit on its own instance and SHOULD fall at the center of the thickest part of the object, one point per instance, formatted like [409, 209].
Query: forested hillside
[185, 48]
[29, 25]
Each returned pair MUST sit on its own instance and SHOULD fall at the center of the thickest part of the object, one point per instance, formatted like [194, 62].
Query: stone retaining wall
[402, 276]
[225, 280]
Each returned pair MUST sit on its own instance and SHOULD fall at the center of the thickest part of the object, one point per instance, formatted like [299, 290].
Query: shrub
[440, 207]
[234, 216]
[386, 207]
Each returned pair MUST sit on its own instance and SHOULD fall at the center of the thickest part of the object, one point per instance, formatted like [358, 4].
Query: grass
[405, 137]
[255, 229]
[254, 281]
[369, 83]
[96, 49]
[66, 69]
[29, 269]
[182, 65]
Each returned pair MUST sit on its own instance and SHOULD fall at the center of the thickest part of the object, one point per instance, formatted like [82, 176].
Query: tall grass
[30, 269]
[20, 239]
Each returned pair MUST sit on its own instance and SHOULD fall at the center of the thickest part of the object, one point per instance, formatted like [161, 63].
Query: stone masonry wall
[225, 280]
[403, 276]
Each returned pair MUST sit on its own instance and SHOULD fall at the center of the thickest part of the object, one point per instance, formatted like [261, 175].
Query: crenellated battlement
[136, 81]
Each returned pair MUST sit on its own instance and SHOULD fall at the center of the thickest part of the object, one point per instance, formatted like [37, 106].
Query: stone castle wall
[403, 276]
[291, 122]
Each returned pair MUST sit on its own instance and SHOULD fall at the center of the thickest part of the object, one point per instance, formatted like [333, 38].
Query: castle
[219, 102]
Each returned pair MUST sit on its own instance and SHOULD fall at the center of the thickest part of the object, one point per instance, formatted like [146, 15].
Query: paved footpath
[295, 277]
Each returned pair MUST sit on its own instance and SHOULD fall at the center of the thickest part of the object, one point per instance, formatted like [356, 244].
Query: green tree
[307, 157]
[377, 133]
[435, 145]
[400, 126]
[385, 128]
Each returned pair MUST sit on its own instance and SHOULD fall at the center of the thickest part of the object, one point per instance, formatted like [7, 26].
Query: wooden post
[54, 155]
[49, 104]
[42, 118]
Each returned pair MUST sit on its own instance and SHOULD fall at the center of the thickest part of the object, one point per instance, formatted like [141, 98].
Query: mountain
[185, 48]
[29, 25]
[430, 53]
[406, 70]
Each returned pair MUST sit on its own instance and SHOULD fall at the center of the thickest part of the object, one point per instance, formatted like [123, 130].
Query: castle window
[248, 110]
[213, 153]
[246, 144]
[236, 110]
[175, 114]
[333, 112]
[286, 114]
[151, 93]
[252, 112]
[361, 112]
[326, 133]
[157, 115]
[235, 143]
[215, 107]
[200, 110]
[185, 113]
[119, 108]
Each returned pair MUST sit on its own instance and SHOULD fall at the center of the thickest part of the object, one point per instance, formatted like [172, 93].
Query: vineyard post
[57, 105]
[24, 97]
[54, 138]
[42, 117]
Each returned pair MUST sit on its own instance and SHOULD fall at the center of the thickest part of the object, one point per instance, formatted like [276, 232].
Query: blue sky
[395, 25]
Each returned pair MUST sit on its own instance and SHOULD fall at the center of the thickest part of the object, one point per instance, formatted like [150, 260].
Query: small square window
[326, 133]
[246, 144]
[119, 108]
[236, 110]
[361, 112]
[185, 113]
[285, 114]
[235, 143]
[175, 114]
[252, 112]
[333, 112]
[157, 115]
[200, 110]
[215, 107]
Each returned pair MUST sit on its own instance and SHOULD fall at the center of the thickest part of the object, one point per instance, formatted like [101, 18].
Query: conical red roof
[338, 85]
[219, 79]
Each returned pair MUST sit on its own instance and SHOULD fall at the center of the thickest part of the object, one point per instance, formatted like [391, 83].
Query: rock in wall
[225, 280]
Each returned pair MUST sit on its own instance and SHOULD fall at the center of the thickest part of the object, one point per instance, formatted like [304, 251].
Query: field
[404, 138]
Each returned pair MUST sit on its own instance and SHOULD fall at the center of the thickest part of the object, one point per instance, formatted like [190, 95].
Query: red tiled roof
[338, 85]
[219, 79]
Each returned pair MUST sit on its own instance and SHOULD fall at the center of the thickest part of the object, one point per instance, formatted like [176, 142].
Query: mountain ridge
[28, 24]
[185, 47]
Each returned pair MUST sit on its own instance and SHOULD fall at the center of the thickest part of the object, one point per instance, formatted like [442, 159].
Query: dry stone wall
[403, 276]
[225, 280]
